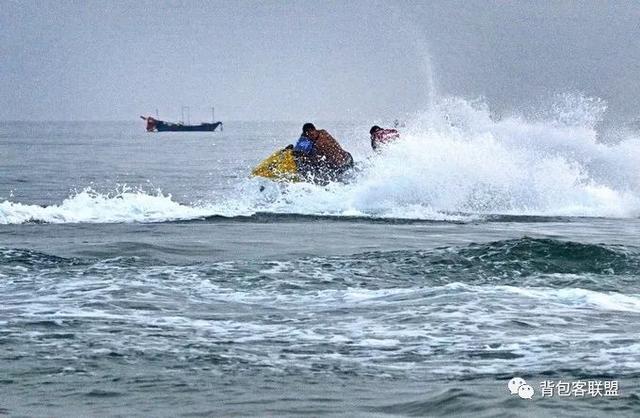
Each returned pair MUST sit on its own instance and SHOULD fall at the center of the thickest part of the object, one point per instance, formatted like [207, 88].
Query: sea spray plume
[420, 47]
[466, 161]
[455, 158]
[575, 110]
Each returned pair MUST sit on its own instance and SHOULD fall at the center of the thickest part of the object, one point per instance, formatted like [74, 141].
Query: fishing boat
[156, 125]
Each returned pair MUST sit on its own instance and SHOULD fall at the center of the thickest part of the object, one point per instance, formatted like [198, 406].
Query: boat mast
[185, 109]
[213, 114]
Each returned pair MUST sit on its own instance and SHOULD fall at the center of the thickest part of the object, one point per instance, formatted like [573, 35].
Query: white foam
[609, 301]
[443, 328]
[377, 342]
[89, 206]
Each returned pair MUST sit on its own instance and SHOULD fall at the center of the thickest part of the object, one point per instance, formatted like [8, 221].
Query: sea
[148, 274]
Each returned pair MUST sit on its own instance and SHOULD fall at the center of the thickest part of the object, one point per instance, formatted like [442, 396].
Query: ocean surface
[145, 274]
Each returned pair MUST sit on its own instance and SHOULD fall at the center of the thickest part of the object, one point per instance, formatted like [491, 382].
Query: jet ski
[283, 166]
[280, 166]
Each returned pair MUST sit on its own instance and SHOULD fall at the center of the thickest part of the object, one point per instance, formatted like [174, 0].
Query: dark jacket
[328, 151]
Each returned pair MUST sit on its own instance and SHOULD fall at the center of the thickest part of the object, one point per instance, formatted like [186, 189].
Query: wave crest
[93, 207]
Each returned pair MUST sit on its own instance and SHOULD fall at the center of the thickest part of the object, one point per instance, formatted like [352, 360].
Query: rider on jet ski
[319, 157]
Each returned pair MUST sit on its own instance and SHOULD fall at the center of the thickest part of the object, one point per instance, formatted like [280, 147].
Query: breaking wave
[454, 162]
[93, 207]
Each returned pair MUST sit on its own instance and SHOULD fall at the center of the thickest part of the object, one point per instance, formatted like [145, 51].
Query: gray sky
[308, 60]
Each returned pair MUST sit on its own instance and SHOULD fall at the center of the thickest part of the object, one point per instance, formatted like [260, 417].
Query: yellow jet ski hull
[279, 166]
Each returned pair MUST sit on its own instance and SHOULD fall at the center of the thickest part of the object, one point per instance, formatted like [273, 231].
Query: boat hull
[173, 127]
